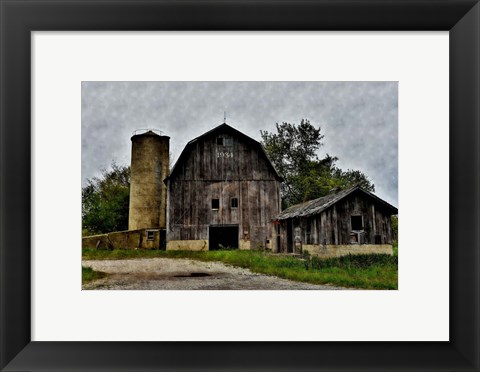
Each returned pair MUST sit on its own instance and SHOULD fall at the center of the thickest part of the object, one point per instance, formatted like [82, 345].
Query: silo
[148, 169]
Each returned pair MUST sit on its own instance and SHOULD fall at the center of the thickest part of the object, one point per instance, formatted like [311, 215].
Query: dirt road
[178, 274]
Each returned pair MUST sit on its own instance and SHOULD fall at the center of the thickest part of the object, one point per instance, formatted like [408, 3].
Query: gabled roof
[316, 206]
[222, 128]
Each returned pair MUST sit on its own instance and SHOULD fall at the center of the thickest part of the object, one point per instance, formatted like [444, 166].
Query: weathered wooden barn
[345, 221]
[222, 191]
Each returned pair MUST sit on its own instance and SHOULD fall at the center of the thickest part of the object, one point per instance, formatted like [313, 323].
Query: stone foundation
[343, 250]
[244, 244]
[129, 239]
[187, 245]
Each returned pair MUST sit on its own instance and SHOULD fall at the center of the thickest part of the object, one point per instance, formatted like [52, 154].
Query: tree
[394, 222]
[293, 151]
[105, 201]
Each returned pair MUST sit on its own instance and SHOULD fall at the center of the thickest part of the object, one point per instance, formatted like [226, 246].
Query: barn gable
[224, 153]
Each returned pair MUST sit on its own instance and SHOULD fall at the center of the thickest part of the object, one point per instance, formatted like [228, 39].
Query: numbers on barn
[225, 154]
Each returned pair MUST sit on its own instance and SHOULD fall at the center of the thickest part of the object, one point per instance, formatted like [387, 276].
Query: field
[378, 271]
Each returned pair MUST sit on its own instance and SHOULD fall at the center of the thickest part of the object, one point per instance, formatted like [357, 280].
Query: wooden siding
[333, 226]
[208, 161]
[210, 171]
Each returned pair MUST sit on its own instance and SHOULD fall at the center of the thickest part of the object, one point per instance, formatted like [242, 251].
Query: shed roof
[316, 206]
[222, 128]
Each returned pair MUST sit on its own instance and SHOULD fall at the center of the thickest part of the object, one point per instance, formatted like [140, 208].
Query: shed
[346, 221]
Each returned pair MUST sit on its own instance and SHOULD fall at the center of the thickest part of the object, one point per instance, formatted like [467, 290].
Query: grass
[88, 274]
[373, 271]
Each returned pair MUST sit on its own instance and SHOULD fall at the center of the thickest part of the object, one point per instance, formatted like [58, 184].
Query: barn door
[222, 235]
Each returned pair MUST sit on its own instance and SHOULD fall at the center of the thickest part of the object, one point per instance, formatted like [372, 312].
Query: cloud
[359, 119]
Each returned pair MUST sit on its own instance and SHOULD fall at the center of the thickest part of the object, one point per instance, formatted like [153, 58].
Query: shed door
[289, 236]
[223, 235]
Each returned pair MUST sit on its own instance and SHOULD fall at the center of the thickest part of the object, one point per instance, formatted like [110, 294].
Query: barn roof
[316, 206]
[221, 128]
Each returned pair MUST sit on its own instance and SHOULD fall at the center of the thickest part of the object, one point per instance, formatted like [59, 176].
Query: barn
[222, 192]
[349, 221]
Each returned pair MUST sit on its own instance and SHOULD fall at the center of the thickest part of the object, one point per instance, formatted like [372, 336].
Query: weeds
[88, 274]
[360, 261]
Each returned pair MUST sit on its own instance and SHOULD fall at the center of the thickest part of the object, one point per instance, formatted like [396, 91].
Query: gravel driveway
[166, 273]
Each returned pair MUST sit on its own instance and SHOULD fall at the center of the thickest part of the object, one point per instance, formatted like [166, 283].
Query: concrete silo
[148, 169]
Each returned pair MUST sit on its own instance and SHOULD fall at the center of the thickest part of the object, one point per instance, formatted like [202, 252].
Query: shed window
[150, 235]
[220, 141]
[215, 203]
[234, 202]
[357, 223]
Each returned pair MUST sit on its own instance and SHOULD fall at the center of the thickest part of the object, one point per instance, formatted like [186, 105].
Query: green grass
[374, 271]
[88, 274]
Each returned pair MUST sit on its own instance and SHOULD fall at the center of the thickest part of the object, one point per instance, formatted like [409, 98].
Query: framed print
[21, 346]
[362, 102]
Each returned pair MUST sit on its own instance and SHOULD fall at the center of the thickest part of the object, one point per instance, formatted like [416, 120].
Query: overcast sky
[359, 119]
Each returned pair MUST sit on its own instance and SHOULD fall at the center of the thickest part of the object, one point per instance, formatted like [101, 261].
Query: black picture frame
[19, 17]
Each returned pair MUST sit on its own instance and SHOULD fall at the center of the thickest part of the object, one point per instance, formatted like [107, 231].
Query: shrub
[360, 261]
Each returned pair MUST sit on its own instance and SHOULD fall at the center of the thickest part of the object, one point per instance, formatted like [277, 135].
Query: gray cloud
[359, 119]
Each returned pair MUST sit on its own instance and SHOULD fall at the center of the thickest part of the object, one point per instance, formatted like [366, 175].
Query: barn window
[224, 141]
[150, 235]
[215, 203]
[357, 223]
[234, 202]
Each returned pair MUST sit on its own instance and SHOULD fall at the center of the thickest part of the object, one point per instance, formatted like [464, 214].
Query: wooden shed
[345, 221]
[222, 191]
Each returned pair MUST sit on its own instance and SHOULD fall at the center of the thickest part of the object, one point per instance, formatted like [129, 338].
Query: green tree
[105, 201]
[394, 221]
[293, 151]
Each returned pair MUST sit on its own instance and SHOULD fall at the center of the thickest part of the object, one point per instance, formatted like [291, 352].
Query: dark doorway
[225, 236]
[289, 236]
[163, 239]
